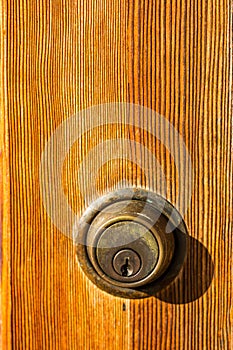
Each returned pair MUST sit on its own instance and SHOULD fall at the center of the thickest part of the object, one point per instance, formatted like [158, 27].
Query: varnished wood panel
[59, 57]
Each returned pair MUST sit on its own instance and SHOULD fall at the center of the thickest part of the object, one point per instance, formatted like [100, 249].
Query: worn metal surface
[137, 220]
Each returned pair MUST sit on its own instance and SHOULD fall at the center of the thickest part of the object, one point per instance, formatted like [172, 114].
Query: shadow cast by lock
[193, 280]
[189, 272]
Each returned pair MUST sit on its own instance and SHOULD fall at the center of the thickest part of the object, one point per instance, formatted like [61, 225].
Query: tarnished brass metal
[127, 242]
[131, 236]
[130, 224]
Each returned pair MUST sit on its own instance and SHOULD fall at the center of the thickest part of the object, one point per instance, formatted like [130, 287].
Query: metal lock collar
[129, 244]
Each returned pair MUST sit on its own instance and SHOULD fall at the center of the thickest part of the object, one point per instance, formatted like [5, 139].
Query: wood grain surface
[59, 57]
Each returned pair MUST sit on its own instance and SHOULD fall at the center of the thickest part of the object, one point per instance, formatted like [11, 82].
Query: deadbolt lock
[128, 242]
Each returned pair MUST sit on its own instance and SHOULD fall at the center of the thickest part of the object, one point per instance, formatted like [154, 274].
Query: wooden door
[61, 57]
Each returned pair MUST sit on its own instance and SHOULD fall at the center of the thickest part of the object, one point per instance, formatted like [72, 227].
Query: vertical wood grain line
[5, 222]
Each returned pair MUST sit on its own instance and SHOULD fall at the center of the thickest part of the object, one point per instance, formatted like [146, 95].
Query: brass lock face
[131, 262]
[125, 242]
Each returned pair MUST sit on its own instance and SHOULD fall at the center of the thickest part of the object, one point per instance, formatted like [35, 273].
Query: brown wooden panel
[59, 57]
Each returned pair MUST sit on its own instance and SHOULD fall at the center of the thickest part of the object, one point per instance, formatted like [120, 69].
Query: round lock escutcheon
[132, 225]
[126, 243]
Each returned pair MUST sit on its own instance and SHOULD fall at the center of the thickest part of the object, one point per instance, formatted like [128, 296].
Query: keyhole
[125, 269]
[126, 263]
